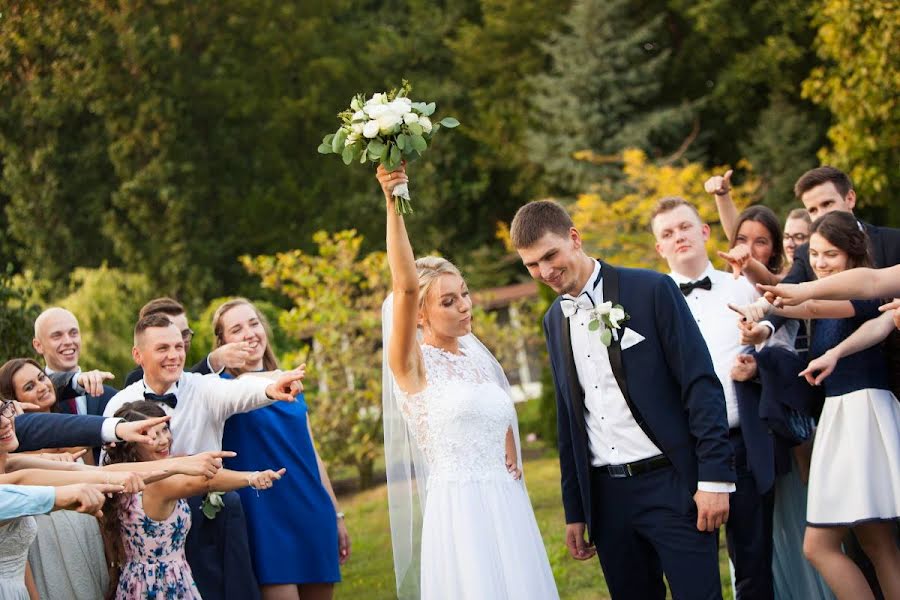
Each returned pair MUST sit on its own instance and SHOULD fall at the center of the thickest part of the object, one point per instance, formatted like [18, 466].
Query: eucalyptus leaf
[606, 337]
[402, 141]
[395, 157]
[429, 109]
[449, 122]
[338, 142]
[327, 139]
[363, 156]
[415, 129]
[594, 325]
[347, 155]
[375, 149]
[325, 148]
[419, 143]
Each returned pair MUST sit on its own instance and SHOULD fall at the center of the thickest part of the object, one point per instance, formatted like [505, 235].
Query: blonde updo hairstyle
[430, 269]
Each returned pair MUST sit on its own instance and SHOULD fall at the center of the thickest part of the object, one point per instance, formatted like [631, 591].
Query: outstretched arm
[866, 335]
[403, 354]
[853, 284]
[811, 309]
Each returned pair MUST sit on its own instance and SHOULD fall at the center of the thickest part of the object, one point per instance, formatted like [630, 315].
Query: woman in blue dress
[298, 539]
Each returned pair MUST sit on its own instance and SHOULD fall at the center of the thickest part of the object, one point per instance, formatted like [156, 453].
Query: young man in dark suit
[645, 460]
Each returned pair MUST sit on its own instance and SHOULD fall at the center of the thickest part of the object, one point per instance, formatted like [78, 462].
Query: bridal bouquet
[386, 128]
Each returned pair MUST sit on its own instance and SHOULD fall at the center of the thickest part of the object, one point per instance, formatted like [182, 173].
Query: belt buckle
[619, 471]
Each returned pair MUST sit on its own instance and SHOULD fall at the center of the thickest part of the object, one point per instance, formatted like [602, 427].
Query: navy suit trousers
[748, 532]
[218, 552]
[645, 526]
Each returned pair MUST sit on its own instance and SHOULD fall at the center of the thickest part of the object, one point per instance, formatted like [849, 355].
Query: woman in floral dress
[145, 532]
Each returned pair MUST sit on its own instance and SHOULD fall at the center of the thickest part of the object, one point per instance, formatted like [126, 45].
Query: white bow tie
[570, 306]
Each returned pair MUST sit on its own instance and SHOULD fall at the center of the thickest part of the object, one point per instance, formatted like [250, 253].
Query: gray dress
[16, 536]
[67, 557]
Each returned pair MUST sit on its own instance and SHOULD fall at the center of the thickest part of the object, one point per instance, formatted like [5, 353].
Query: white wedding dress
[479, 537]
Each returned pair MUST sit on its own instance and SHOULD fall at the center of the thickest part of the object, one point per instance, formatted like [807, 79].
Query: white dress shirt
[614, 437]
[718, 325]
[204, 404]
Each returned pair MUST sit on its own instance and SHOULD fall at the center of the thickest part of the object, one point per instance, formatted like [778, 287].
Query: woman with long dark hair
[145, 532]
[854, 480]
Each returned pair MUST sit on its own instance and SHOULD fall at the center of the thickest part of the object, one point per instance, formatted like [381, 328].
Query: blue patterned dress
[155, 566]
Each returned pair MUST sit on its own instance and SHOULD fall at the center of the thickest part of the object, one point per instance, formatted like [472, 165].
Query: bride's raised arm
[404, 356]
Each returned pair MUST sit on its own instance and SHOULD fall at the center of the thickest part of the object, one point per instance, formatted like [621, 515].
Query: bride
[461, 521]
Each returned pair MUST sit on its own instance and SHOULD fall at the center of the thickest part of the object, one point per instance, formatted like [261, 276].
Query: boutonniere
[608, 320]
[212, 504]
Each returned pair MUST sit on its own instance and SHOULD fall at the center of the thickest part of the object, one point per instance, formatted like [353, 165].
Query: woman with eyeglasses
[63, 556]
[17, 535]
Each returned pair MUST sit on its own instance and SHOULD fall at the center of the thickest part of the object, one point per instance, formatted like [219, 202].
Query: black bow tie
[169, 398]
[703, 284]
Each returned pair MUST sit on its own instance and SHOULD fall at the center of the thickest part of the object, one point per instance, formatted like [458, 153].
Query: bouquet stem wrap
[402, 202]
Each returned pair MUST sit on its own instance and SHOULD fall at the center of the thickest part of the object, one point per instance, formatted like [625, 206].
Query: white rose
[377, 99]
[604, 308]
[401, 105]
[359, 115]
[616, 316]
[357, 128]
[370, 129]
[425, 122]
[376, 110]
[351, 139]
[388, 121]
[354, 104]
[410, 118]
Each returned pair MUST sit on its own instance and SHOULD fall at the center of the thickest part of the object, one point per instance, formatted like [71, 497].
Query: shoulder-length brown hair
[269, 362]
[9, 370]
[842, 230]
[765, 217]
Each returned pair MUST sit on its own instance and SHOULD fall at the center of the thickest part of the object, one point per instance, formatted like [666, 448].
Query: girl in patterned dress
[145, 532]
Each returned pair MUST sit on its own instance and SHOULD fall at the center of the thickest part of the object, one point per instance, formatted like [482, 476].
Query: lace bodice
[15, 539]
[460, 419]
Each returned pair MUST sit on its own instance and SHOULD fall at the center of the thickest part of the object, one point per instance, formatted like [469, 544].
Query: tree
[336, 296]
[106, 302]
[618, 228]
[858, 83]
[602, 93]
[781, 147]
[17, 315]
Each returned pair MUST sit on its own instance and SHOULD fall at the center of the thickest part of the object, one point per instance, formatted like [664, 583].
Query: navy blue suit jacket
[765, 407]
[667, 379]
[52, 430]
[62, 381]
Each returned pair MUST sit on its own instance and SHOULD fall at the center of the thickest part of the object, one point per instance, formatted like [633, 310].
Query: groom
[644, 454]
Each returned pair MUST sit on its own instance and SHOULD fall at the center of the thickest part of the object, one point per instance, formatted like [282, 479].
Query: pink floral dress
[155, 564]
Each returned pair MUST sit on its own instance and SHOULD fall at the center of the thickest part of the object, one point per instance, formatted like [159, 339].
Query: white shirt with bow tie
[614, 437]
[204, 404]
[719, 325]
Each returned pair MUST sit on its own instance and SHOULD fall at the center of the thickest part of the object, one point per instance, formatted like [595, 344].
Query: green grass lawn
[370, 572]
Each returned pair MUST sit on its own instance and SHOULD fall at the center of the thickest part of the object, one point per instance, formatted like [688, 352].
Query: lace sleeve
[415, 411]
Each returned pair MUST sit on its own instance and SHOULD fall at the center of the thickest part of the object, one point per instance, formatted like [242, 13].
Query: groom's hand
[575, 542]
[712, 510]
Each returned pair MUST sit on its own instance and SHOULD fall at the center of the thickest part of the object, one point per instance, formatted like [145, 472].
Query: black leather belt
[635, 468]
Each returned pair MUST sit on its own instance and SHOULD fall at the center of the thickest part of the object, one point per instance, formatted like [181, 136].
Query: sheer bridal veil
[405, 465]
